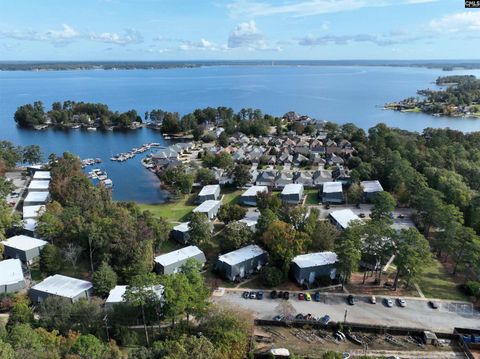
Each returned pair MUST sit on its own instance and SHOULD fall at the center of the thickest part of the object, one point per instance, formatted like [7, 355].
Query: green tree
[271, 276]
[20, 314]
[241, 175]
[223, 139]
[323, 236]
[383, 206]
[205, 176]
[104, 280]
[266, 218]
[51, 261]
[6, 350]
[348, 250]
[234, 236]
[200, 229]
[354, 193]
[185, 347]
[412, 255]
[231, 212]
[32, 154]
[89, 346]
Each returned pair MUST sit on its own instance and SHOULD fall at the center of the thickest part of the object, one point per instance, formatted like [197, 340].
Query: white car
[401, 302]
[388, 302]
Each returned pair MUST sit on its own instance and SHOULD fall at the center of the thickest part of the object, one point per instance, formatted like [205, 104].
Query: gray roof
[254, 190]
[209, 190]
[332, 187]
[30, 224]
[38, 185]
[371, 186]
[178, 255]
[241, 255]
[24, 243]
[344, 216]
[117, 294]
[292, 188]
[63, 286]
[11, 271]
[206, 206]
[33, 211]
[315, 259]
[182, 227]
[41, 175]
[37, 197]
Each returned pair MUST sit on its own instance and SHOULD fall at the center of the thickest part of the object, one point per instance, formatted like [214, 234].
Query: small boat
[75, 127]
[91, 128]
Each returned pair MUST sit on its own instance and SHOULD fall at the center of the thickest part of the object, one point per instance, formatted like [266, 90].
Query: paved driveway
[416, 314]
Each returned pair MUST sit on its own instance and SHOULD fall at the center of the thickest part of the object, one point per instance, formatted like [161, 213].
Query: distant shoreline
[163, 65]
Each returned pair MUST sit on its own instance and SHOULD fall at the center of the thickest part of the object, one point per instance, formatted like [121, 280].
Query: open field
[437, 282]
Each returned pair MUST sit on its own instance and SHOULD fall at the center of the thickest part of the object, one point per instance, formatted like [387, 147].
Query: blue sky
[237, 29]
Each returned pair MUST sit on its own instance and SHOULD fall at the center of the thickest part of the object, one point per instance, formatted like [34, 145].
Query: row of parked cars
[324, 320]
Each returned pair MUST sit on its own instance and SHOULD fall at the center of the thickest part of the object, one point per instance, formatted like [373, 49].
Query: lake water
[340, 94]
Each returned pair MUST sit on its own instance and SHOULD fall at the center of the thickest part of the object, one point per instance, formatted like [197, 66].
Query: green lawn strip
[312, 197]
[437, 282]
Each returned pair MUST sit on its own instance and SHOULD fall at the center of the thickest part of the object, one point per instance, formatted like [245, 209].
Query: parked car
[246, 295]
[373, 300]
[260, 295]
[278, 318]
[388, 302]
[308, 297]
[325, 320]
[401, 302]
[351, 300]
[432, 304]
[301, 296]
[316, 297]
[253, 295]
[299, 316]
[327, 206]
[273, 294]
[286, 295]
[361, 215]
[401, 216]
[280, 295]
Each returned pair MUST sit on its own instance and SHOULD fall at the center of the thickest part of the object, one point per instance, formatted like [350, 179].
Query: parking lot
[19, 182]
[416, 314]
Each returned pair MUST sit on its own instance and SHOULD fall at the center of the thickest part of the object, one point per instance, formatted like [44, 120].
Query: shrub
[271, 276]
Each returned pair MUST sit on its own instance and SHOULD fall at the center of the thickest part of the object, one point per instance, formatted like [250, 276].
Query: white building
[36, 198]
[343, 218]
[249, 197]
[58, 285]
[117, 294]
[38, 186]
[11, 276]
[42, 176]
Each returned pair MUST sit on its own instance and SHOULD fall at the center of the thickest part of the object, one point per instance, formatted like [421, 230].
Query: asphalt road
[416, 314]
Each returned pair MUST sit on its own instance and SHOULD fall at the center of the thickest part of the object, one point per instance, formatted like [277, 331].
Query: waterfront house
[38, 186]
[242, 262]
[172, 262]
[41, 176]
[31, 212]
[209, 192]
[11, 276]
[249, 197]
[251, 219]
[181, 233]
[340, 174]
[333, 159]
[209, 207]
[343, 218]
[266, 178]
[58, 285]
[29, 226]
[332, 192]
[306, 268]
[370, 189]
[23, 247]
[292, 193]
[36, 198]
[117, 294]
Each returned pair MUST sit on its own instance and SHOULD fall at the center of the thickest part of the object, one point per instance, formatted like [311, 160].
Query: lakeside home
[332, 192]
[209, 208]
[370, 189]
[242, 262]
[117, 295]
[58, 285]
[306, 268]
[292, 193]
[172, 262]
[23, 247]
[249, 197]
[209, 192]
[11, 276]
[343, 218]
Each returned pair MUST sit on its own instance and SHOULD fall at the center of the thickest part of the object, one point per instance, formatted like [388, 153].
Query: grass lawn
[437, 282]
[312, 197]
[231, 195]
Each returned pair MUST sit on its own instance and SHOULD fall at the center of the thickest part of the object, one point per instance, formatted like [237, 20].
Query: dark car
[362, 215]
[280, 294]
[433, 305]
[253, 295]
[260, 295]
[286, 295]
[299, 316]
[246, 295]
[351, 300]
[316, 297]
[325, 320]
[273, 294]
[401, 216]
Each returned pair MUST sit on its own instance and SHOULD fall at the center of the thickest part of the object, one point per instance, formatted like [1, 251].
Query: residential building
[343, 218]
[181, 233]
[266, 178]
[23, 247]
[209, 192]
[172, 262]
[59, 285]
[209, 207]
[117, 294]
[38, 186]
[42, 176]
[370, 189]
[332, 192]
[283, 179]
[242, 262]
[249, 197]
[36, 198]
[251, 219]
[306, 268]
[32, 212]
[292, 193]
[11, 276]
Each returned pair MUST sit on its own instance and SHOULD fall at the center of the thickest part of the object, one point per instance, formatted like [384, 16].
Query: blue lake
[340, 94]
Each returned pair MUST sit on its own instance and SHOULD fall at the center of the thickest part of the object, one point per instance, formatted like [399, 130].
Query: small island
[460, 97]
[75, 115]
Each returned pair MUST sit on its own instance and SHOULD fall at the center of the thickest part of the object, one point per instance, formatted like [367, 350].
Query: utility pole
[345, 316]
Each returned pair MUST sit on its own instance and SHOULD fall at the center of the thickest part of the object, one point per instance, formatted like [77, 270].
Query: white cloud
[253, 8]
[247, 35]
[201, 45]
[461, 21]
[131, 36]
[379, 40]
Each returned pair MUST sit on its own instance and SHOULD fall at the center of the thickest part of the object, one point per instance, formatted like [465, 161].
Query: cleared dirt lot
[417, 313]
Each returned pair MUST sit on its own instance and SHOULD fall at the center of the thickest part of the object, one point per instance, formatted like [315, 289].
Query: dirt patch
[357, 286]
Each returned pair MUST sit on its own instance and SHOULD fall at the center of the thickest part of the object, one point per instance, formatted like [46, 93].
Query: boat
[75, 127]
[91, 128]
